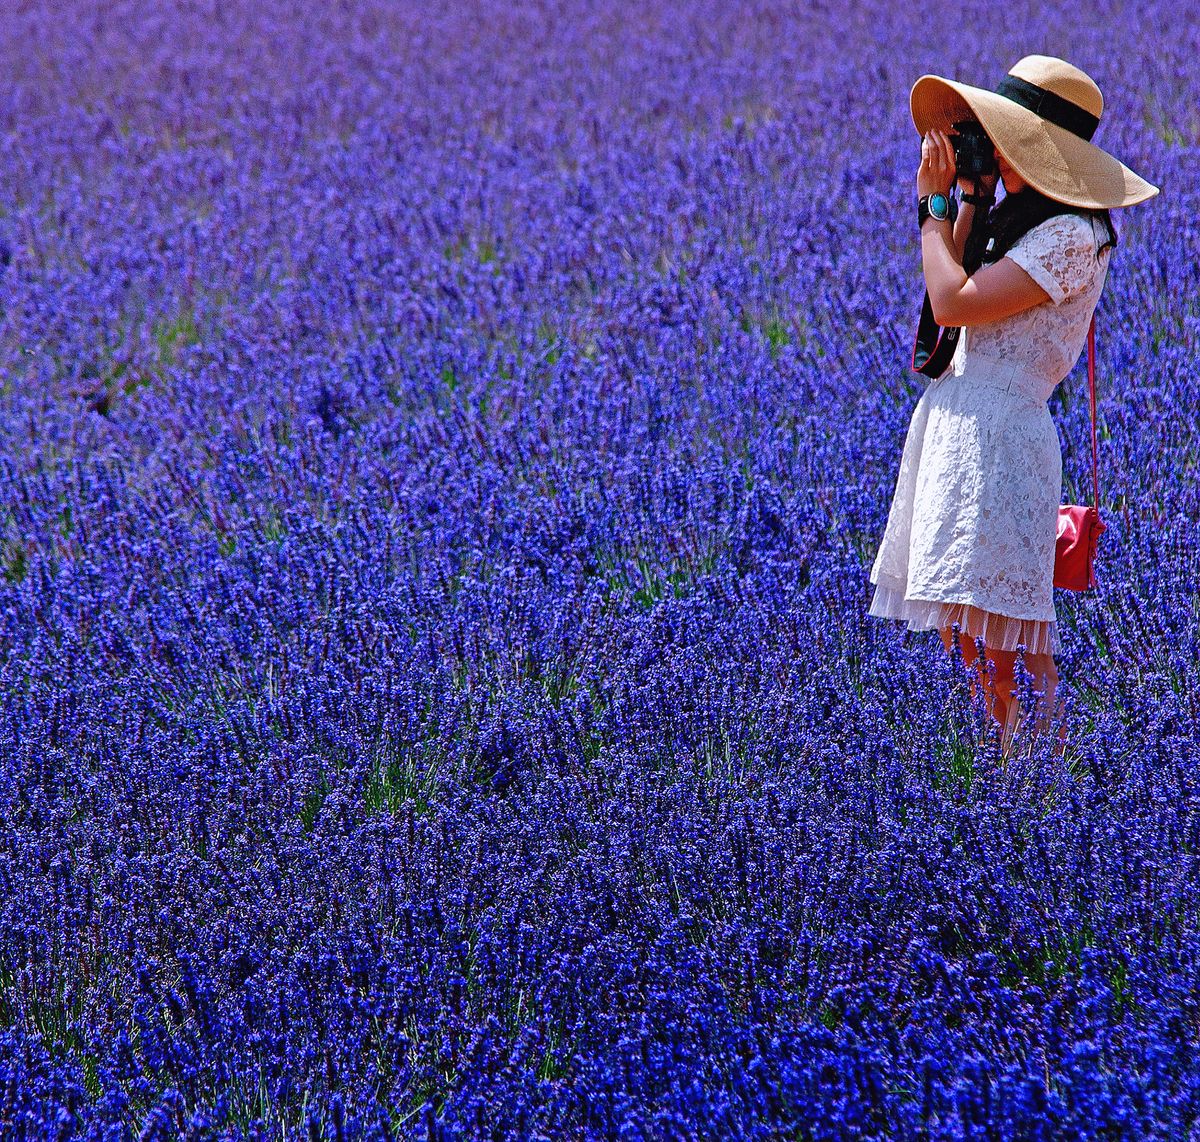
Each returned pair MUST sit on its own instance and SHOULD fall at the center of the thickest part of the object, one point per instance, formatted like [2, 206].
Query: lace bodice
[1046, 340]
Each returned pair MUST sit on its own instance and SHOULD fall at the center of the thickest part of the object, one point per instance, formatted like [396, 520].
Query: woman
[971, 532]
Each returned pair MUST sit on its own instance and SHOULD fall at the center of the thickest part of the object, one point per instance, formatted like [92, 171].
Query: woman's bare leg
[1008, 706]
[1045, 678]
[1004, 707]
[998, 697]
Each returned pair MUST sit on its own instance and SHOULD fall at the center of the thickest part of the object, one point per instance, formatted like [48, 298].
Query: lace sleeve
[1060, 255]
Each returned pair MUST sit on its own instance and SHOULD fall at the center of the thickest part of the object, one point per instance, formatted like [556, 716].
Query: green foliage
[647, 582]
[399, 776]
[173, 333]
[1044, 964]
[14, 561]
[310, 809]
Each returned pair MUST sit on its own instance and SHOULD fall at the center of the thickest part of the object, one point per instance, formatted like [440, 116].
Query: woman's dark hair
[1014, 216]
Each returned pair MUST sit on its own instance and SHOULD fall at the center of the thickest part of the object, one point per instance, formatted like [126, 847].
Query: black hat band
[1053, 108]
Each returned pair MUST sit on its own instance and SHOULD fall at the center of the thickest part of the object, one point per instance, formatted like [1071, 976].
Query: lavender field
[442, 450]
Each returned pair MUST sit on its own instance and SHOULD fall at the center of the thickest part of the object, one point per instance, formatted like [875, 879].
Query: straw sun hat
[1041, 118]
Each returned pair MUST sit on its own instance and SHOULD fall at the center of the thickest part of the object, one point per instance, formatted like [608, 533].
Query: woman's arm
[993, 292]
[966, 216]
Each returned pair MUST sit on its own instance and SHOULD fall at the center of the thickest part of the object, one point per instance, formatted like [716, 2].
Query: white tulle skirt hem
[999, 632]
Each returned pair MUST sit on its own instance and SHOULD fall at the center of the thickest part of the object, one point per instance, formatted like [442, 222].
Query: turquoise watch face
[939, 205]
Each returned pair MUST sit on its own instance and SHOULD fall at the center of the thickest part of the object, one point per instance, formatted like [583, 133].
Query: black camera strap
[935, 344]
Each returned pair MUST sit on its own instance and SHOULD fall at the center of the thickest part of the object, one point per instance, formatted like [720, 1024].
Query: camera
[974, 157]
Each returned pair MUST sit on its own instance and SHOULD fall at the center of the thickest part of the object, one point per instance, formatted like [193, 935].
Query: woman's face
[1013, 182]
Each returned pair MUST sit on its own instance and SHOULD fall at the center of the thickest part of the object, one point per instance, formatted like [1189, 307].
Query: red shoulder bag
[1080, 525]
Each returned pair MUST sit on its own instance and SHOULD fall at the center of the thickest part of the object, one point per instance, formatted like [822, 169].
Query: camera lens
[974, 156]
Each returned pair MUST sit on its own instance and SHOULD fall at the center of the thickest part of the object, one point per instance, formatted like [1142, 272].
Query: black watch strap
[977, 199]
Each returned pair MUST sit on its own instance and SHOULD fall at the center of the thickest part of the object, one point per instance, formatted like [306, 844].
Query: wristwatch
[939, 206]
[978, 199]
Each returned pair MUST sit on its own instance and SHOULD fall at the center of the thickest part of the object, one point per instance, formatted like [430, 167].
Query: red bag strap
[1092, 389]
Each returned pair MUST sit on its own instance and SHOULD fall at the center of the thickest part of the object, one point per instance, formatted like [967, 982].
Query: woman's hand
[935, 175]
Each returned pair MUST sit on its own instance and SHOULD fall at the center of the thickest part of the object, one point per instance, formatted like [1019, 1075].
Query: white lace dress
[971, 532]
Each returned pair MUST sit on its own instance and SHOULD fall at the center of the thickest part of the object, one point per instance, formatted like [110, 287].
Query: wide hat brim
[1053, 160]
